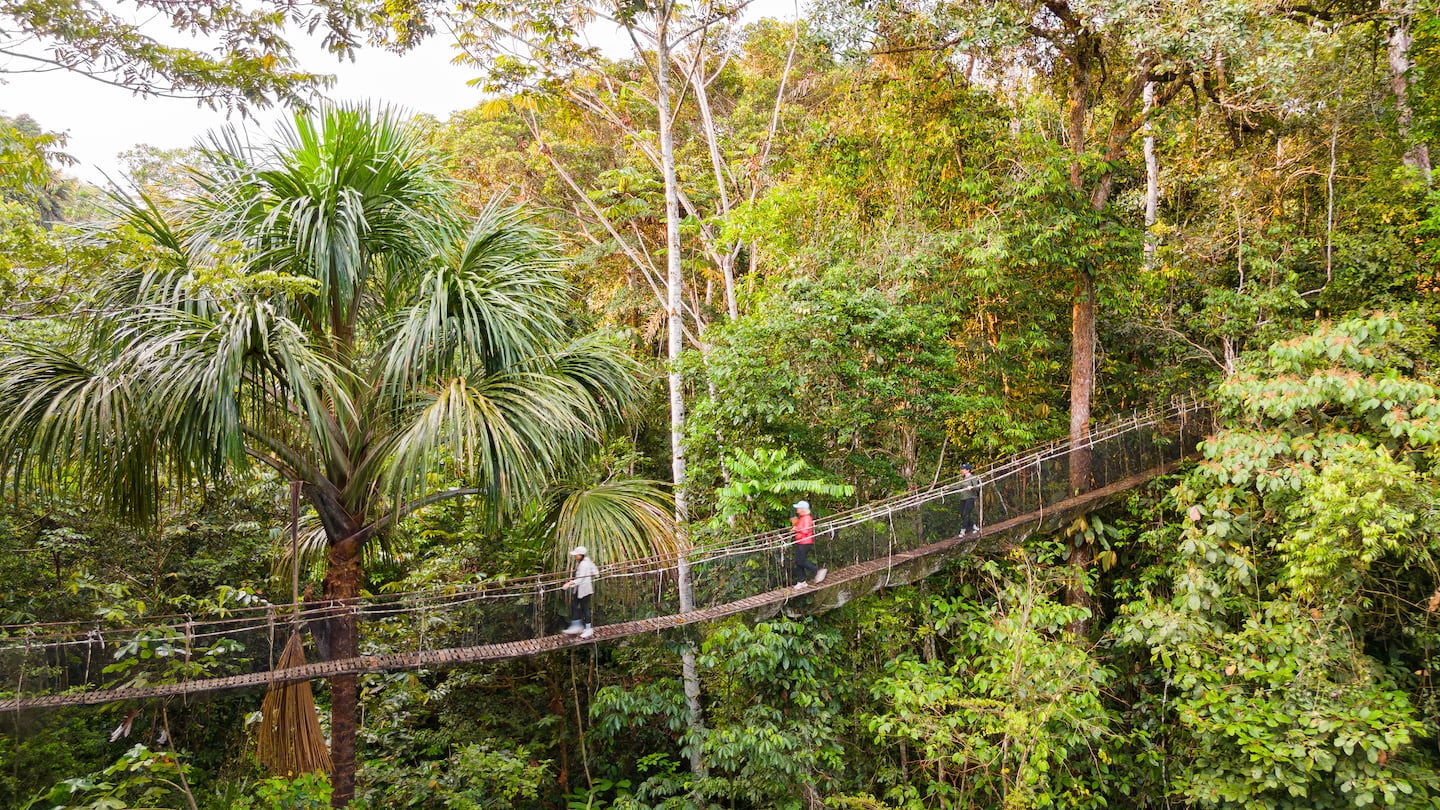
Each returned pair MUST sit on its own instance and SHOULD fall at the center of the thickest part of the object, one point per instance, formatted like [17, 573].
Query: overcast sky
[102, 121]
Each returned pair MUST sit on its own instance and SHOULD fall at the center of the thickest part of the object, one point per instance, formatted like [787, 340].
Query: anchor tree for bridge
[325, 308]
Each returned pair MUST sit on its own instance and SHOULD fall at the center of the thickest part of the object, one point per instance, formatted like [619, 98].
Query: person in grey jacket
[584, 588]
[969, 491]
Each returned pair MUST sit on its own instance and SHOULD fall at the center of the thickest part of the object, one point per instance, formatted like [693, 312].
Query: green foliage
[309, 791]
[31, 159]
[906, 245]
[1284, 712]
[1331, 433]
[771, 730]
[1307, 521]
[771, 723]
[866, 383]
[1017, 718]
[140, 778]
[763, 485]
[473, 777]
[250, 64]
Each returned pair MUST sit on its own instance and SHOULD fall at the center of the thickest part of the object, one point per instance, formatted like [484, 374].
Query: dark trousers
[804, 569]
[580, 608]
[967, 515]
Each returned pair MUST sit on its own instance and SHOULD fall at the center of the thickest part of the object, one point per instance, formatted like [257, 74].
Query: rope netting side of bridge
[99, 655]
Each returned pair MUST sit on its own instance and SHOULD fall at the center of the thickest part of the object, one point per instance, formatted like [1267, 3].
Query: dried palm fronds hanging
[291, 741]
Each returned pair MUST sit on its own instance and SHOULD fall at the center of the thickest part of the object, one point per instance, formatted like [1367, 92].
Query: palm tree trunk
[341, 588]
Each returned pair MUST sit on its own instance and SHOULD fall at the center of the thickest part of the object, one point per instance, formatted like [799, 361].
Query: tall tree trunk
[341, 589]
[1082, 321]
[674, 283]
[1417, 154]
[1082, 379]
[1080, 65]
[1152, 178]
[1082, 324]
[674, 313]
[1082, 382]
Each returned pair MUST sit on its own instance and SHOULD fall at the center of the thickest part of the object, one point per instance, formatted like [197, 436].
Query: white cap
[578, 551]
[803, 506]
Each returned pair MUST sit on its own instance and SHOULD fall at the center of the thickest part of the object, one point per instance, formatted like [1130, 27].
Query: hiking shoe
[589, 631]
[800, 586]
[820, 575]
[573, 629]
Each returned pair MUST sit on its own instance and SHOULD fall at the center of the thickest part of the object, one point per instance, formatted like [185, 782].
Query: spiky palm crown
[323, 307]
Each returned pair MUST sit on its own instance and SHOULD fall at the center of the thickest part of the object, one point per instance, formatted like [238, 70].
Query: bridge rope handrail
[269, 615]
[380, 661]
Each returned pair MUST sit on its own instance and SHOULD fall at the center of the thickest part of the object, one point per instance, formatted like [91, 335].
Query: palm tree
[321, 307]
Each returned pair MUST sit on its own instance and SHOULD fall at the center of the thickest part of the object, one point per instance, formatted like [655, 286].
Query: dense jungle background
[650, 294]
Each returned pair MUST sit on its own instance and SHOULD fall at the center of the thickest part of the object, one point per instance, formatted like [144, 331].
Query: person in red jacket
[804, 527]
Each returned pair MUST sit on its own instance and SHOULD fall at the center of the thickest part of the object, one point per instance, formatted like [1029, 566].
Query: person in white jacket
[584, 587]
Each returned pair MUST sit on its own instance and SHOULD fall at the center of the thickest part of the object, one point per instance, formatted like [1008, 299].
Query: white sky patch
[102, 121]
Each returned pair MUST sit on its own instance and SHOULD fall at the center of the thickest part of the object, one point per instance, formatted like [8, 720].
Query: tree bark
[1082, 380]
[674, 313]
[341, 590]
[341, 637]
[1152, 178]
[674, 284]
[1082, 321]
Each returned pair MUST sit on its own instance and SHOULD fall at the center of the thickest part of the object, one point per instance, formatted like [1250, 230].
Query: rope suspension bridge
[888, 542]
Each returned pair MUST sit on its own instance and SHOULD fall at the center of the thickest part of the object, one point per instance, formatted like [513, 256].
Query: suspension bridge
[889, 542]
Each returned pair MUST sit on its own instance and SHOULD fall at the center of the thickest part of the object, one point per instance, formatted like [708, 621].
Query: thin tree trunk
[717, 166]
[1152, 178]
[675, 314]
[675, 292]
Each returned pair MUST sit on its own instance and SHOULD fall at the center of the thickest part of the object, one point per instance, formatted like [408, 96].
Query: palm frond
[162, 271]
[598, 371]
[495, 302]
[61, 416]
[344, 195]
[615, 520]
[505, 432]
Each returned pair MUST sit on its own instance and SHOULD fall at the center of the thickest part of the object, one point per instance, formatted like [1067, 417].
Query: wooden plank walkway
[427, 659]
